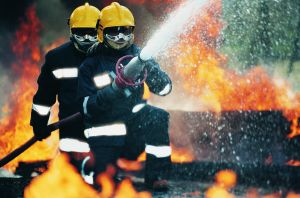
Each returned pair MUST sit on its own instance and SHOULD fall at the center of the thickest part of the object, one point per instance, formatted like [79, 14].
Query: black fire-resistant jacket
[100, 106]
[58, 78]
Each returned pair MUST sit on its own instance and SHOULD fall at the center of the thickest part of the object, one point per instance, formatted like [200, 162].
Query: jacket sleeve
[45, 96]
[93, 100]
[157, 80]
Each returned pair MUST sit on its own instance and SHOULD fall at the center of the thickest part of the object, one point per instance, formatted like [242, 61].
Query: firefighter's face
[119, 37]
[84, 37]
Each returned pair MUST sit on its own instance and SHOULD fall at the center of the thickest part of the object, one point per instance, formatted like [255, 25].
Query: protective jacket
[120, 123]
[58, 78]
[100, 104]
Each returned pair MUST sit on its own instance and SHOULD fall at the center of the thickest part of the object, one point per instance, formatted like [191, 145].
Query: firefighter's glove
[39, 125]
[109, 94]
[41, 132]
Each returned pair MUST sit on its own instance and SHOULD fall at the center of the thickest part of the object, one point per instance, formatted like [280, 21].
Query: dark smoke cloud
[11, 12]
[54, 20]
[72, 4]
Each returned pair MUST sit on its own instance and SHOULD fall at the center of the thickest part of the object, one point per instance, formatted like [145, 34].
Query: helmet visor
[114, 31]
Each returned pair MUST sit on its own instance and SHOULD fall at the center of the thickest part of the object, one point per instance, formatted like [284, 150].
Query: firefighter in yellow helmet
[83, 24]
[58, 79]
[116, 27]
[118, 122]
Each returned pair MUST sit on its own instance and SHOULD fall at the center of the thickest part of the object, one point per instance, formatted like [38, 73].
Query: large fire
[204, 75]
[199, 64]
[202, 70]
[60, 180]
[15, 128]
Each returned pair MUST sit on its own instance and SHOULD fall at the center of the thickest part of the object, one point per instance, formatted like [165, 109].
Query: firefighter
[58, 78]
[118, 122]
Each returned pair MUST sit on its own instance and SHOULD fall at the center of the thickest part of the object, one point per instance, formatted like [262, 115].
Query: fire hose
[51, 127]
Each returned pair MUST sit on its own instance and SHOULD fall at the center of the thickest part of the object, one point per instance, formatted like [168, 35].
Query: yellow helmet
[114, 15]
[84, 16]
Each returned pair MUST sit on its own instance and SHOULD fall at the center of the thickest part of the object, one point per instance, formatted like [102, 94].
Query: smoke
[10, 18]
[10, 15]
[54, 20]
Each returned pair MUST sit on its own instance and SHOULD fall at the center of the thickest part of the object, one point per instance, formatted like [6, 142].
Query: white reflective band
[106, 130]
[166, 90]
[138, 107]
[158, 151]
[102, 80]
[42, 110]
[88, 178]
[65, 73]
[85, 105]
[73, 145]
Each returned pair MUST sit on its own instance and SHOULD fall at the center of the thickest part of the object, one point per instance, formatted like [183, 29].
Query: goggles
[119, 38]
[85, 34]
[85, 38]
[114, 31]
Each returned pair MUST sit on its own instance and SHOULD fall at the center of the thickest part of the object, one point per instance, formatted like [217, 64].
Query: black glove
[39, 125]
[110, 94]
[41, 133]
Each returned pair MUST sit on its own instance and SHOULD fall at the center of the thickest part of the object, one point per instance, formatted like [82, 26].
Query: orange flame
[129, 165]
[15, 129]
[295, 128]
[218, 192]
[62, 180]
[181, 155]
[293, 163]
[224, 181]
[126, 190]
[106, 182]
[293, 195]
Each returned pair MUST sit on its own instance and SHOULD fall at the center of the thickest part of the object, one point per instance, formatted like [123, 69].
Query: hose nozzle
[134, 68]
[130, 74]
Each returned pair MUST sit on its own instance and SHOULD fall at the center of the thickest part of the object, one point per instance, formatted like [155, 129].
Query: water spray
[179, 22]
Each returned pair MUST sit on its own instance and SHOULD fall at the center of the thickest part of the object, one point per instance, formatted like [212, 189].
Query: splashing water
[179, 21]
